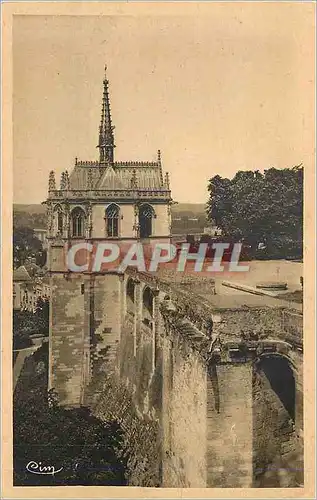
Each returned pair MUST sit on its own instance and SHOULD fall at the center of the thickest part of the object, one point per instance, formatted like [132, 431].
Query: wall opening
[147, 306]
[277, 453]
[112, 220]
[130, 297]
[146, 214]
[280, 376]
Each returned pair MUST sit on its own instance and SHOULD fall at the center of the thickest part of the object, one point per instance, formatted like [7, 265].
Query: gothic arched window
[146, 214]
[112, 221]
[78, 222]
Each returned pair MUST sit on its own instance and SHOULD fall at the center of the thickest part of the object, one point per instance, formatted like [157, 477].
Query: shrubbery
[87, 450]
[26, 244]
[26, 323]
[262, 209]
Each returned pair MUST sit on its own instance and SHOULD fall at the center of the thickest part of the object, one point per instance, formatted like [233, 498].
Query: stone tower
[98, 200]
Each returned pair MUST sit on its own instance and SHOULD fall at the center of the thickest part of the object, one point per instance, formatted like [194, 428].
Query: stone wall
[85, 327]
[266, 322]
[158, 393]
[229, 424]
[106, 320]
[69, 342]
[161, 222]
[142, 434]
[127, 378]
[184, 415]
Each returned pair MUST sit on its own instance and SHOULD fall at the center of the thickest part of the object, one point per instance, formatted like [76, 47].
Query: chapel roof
[147, 175]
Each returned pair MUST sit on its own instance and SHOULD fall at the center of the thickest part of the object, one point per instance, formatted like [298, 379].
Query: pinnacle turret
[51, 181]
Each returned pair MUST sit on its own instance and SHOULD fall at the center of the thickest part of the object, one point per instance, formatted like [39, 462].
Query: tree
[88, 450]
[21, 337]
[42, 313]
[23, 327]
[257, 207]
[84, 447]
[26, 244]
[26, 323]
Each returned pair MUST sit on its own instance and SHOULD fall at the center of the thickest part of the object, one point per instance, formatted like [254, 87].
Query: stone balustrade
[96, 163]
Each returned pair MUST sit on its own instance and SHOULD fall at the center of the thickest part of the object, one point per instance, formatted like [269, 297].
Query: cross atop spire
[106, 138]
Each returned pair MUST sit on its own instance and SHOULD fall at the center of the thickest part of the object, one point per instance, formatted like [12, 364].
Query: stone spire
[106, 138]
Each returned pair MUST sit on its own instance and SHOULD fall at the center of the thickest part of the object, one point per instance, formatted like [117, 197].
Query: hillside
[31, 209]
[32, 216]
[190, 208]
[186, 217]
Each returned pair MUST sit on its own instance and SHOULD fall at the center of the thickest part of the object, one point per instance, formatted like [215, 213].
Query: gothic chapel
[100, 200]
[106, 199]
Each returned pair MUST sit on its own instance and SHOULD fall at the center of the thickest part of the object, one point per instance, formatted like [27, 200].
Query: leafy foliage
[85, 448]
[26, 323]
[21, 339]
[26, 244]
[260, 208]
[43, 315]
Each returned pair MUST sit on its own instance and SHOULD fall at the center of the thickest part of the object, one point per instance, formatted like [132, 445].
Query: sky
[216, 93]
